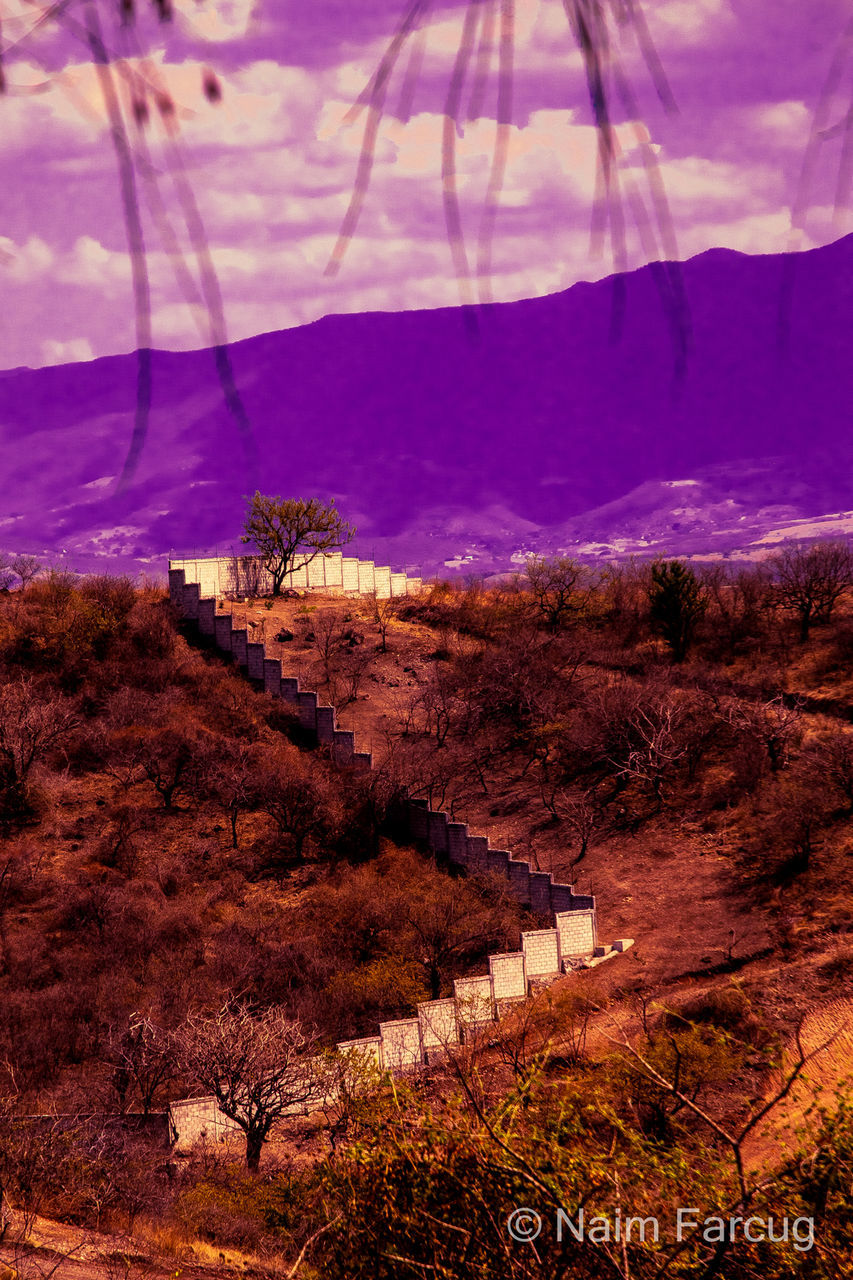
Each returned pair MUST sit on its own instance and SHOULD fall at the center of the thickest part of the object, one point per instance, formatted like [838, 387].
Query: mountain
[557, 423]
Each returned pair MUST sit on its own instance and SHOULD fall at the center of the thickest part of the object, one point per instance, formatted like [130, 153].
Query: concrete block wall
[326, 725]
[576, 931]
[540, 884]
[475, 1001]
[366, 577]
[509, 981]
[333, 577]
[541, 953]
[222, 632]
[437, 831]
[368, 1049]
[196, 1120]
[482, 1000]
[272, 677]
[519, 880]
[478, 853]
[407, 1043]
[401, 1044]
[190, 597]
[447, 838]
[239, 645]
[177, 578]
[255, 655]
[457, 843]
[497, 861]
[419, 819]
[207, 616]
[307, 704]
[439, 1025]
[332, 572]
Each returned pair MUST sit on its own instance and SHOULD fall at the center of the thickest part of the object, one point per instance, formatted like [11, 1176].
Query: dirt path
[55, 1249]
[827, 1032]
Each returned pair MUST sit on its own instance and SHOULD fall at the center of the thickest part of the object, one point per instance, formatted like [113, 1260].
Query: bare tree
[733, 1134]
[581, 813]
[230, 776]
[355, 1084]
[143, 1058]
[352, 668]
[328, 628]
[774, 726]
[742, 605]
[280, 528]
[811, 580]
[26, 568]
[7, 573]
[30, 727]
[259, 1068]
[449, 921]
[171, 761]
[435, 773]
[437, 705]
[384, 610]
[555, 587]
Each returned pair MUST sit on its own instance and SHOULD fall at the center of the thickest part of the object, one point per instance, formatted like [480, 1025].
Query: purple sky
[272, 166]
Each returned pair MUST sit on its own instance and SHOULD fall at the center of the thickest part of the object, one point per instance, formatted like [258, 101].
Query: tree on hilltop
[281, 527]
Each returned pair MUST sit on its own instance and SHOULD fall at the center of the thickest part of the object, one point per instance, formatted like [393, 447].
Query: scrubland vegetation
[171, 845]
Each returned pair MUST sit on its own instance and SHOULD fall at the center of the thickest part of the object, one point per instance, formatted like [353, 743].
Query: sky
[269, 166]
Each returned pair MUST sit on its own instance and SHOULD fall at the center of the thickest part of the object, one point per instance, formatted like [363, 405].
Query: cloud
[71, 351]
[226, 20]
[765, 232]
[263, 104]
[689, 22]
[25, 263]
[273, 171]
[90, 264]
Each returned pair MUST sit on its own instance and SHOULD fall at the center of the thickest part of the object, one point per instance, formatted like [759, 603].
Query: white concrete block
[541, 953]
[401, 1044]
[508, 977]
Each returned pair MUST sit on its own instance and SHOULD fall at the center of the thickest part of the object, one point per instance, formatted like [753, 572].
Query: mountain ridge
[541, 420]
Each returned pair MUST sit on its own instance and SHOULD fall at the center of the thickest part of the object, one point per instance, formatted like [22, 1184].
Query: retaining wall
[197, 1120]
[332, 573]
[572, 940]
[435, 828]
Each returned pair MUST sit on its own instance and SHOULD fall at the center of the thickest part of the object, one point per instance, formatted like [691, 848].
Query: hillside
[538, 428]
[173, 841]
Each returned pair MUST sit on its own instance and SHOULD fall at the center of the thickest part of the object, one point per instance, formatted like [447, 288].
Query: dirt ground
[826, 1037]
